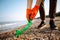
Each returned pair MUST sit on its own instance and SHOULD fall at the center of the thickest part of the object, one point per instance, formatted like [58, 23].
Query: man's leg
[42, 11]
[52, 12]
[42, 14]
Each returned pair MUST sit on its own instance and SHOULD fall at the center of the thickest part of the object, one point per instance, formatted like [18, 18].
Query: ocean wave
[5, 25]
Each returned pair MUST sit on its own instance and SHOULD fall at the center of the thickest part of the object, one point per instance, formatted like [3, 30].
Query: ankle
[52, 22]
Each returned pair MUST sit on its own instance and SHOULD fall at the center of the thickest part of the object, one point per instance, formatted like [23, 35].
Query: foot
[52, 25]
[41, 24]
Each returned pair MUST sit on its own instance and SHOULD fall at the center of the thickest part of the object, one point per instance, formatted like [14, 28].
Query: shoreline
[33, 33]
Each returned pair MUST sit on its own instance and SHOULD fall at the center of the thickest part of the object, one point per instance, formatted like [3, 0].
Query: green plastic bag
[19, 32]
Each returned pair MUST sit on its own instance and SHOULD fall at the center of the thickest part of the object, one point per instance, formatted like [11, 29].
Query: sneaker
[41, 24]
[52, 25]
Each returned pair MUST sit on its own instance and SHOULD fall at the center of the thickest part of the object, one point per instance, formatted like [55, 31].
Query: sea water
[6, 26]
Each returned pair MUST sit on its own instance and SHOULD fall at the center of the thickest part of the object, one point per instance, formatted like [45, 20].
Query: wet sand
[43, 33]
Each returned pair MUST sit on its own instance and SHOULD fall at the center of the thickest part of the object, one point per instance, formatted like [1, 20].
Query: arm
[29, 4]
[31, 12]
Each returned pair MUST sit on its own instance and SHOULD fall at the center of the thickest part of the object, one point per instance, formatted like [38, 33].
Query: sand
[43, 33]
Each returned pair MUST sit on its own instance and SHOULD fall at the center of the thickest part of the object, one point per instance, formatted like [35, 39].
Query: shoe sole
[45, 26]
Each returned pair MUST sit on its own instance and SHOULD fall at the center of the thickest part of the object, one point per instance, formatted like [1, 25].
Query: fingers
[32, 16]
[28, 12]
[34, 11]
[27, 16]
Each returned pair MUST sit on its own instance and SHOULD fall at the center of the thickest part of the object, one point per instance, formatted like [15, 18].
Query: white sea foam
[5, 25]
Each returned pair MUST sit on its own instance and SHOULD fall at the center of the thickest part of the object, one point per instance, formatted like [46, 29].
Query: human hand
[31, 13]
[28, 13]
